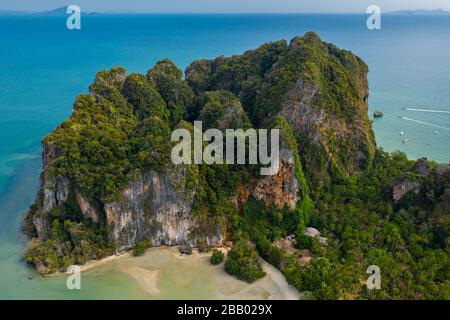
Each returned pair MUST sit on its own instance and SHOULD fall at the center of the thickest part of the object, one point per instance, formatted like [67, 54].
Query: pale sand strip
[288, 291]
[99, 263]
[273, 285]
[92, 264]
[145, 278]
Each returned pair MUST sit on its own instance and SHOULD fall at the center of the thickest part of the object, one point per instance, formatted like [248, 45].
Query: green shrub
[140, 248]
[144, 97]
[177, 95]
[217, 257]
[242, 262]
[303, 241]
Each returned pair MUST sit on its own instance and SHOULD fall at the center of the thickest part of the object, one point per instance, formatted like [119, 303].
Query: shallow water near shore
[163, 273]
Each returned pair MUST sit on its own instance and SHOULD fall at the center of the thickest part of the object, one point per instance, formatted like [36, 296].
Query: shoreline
[288, 291]
[92, 264]
[148, 276]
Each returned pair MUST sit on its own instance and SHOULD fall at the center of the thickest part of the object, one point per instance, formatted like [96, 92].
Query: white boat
[402, 133]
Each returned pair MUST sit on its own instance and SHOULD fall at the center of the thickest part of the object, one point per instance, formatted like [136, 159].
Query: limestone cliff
[108, 183]
[321, 90]
[157, 207]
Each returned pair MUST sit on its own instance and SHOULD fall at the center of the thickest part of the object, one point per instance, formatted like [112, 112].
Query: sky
[225, 6]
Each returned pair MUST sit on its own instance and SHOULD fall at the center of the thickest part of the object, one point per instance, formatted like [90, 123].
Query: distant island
[13, 13]
[62, 11]
[421, 12]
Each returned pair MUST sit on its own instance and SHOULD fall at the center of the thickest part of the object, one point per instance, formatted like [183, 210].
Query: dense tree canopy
[122, 128]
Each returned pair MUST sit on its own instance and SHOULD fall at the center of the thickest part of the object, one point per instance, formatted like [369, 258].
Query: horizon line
[225, 12]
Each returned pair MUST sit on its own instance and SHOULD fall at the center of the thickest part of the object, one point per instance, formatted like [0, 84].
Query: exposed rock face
[278, 190]
[305, 257]
[442, 170]
[56, 192]
[332, 129]
[400, 189]
[185, 249]
[321, 129]
[314, 233]
[421, 167]
[42, 226]
[311, 232]
[323, 241]
[378, 114]
[153, 209]
[48, 154]
[108, 183]
[86, 209]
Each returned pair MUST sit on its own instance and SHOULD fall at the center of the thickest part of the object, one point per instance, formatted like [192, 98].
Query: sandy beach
[164, 273]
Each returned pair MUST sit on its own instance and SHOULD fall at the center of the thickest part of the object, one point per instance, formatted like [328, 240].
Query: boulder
[185, 248]
[323, 241]
[311, 232]
[304, 257]
[378, 114]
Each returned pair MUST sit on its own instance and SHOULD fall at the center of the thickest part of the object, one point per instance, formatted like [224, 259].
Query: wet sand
[163, 273]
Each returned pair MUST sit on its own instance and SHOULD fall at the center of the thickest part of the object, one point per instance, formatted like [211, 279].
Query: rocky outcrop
[442, 170]
[333, 131]
[185, 249]
[41, 224]
[336, 138]
[314, 233]
[311, 232]
[56, 192]
[278, 190]
[417, 180]
[86, 209]
[401, 188]
[108, 183]
[422, 167]
[378, 114]
[156, 207]
[48, 154]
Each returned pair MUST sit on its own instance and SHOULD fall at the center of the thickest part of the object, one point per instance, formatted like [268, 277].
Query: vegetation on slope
[122, 128]
[365, 227]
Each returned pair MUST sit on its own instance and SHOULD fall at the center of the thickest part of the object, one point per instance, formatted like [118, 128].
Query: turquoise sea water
[43, 66]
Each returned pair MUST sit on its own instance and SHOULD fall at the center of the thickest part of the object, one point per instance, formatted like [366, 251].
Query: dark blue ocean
[44, 66]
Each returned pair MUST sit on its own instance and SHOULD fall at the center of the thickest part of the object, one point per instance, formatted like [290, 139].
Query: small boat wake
[428, 110]
[425, 123]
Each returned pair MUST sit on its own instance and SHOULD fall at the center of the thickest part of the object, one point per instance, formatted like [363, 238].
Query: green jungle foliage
[122, 128]
[408, 240]
[242, 262]
[217, 257]
[141, 247]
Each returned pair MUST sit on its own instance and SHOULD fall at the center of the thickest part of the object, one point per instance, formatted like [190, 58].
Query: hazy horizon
[225, 6]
